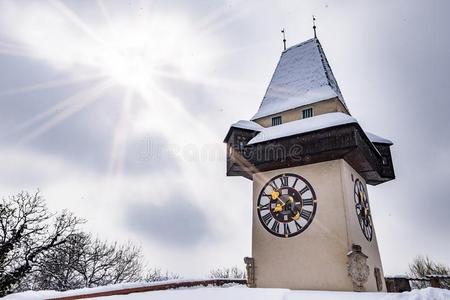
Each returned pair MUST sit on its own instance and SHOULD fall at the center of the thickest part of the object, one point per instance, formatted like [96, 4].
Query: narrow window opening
[276, 121]
[307, 113]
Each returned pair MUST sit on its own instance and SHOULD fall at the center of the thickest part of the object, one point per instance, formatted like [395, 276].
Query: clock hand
[281, 201]
[278, 208]
[276, 196]
[294, 209]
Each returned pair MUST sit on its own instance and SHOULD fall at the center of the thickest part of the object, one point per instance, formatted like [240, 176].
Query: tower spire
[284, 38]
[314, 26]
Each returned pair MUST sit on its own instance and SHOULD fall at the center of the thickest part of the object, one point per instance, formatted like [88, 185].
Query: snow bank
[241, 292]
[84, 291]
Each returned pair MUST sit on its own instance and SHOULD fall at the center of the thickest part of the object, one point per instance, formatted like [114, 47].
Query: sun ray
[132, 57]
[78, 103]
[118, 147]
[8, 45]
[51, 84]
[212, 82]
[177, 108]
[67, 12]
[20, 53]
[55, 109]
[215, 24]
[106, 16]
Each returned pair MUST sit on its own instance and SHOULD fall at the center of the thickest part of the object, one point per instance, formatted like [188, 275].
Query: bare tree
[102, 263]
[88, 262]
[40, 250]
[423, 266]
[155, 274]
[227, 273]
[27, 232]
[57, 269]
[128, 264]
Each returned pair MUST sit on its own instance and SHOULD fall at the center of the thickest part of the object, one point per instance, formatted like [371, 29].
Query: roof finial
[284, 39]
[314, 26]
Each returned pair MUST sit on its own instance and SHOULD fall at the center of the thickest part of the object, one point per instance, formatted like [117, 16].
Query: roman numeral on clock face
[304, 190]
[274, 185]
[308, 201]
[298, 226]
[305, 214]
[284, 181]
[267, 218]
[264, 206]
[275, 226]
[287, 230]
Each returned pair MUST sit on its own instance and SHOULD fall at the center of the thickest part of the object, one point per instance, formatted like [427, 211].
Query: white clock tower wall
[317, 257]
[356, 236]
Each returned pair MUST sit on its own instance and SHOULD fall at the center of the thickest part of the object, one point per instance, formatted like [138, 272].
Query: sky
[116, 111]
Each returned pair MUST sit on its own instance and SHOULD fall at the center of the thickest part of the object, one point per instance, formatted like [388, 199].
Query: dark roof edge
[330, 76]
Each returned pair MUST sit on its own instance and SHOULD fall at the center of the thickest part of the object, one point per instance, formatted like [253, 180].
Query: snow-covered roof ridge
[378, 139]
[250, 125]
[302, 76]
[302, 126]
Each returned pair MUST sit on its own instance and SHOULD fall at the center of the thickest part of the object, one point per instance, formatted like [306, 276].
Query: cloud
[84, 139]
[174, 221]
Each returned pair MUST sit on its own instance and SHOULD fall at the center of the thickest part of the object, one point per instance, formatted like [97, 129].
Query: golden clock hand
[281, 201]
[275, 195]
[278, 208]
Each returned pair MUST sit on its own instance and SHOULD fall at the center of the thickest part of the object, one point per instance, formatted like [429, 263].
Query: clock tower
[310, 162]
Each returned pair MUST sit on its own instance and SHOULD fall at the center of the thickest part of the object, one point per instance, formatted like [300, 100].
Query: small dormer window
[307, 113]
[276, 121]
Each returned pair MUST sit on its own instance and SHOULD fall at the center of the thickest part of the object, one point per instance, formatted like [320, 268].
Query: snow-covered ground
[239, 292]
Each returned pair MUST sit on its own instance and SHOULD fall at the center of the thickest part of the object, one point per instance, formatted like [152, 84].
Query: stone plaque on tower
[310, 162]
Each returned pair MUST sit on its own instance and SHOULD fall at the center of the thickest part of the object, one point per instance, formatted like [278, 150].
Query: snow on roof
[302, 76]
[302, 126]
[250, 125]
[378, 139]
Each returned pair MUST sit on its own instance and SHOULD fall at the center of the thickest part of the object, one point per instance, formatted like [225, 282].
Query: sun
[131, 50]
[139, 53]
[136, 52]
[130, 67]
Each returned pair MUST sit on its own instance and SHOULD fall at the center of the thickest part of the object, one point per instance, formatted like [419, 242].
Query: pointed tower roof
[302, 76]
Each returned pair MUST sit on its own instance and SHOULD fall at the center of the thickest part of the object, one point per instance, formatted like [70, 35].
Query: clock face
[363, 209]
[286, 205]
